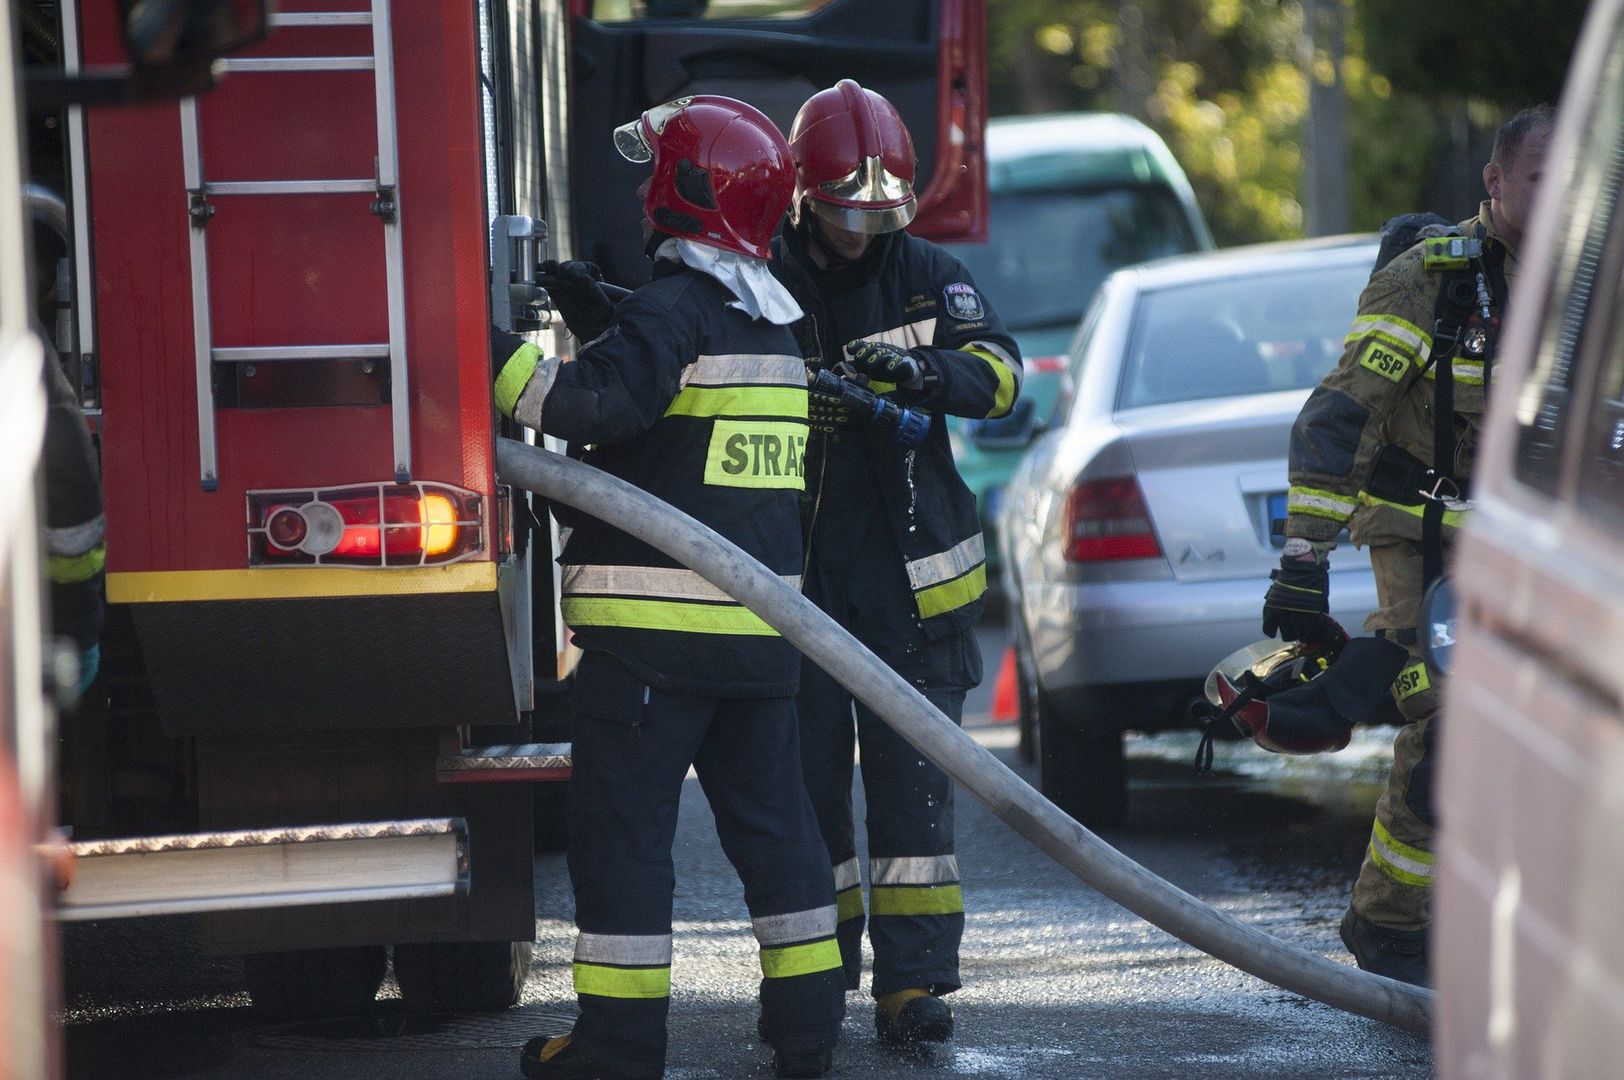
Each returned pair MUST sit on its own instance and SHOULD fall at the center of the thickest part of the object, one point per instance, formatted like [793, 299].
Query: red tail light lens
[365, 525]
[1108, 519]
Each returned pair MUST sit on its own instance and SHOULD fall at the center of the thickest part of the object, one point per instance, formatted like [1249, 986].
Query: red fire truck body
[326, 615]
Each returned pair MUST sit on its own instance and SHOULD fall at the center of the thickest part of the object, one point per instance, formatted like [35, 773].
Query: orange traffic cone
[1006, 705]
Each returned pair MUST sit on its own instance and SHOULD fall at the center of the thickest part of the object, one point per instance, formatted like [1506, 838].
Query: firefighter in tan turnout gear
[694, 391]
[1384, 447]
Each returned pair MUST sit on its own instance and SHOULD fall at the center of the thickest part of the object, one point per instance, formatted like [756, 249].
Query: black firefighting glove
[889, 363]
[1298, 602]
[577, 295]
[826, 412]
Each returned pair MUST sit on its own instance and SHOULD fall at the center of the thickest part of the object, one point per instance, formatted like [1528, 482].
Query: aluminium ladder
[386, 205]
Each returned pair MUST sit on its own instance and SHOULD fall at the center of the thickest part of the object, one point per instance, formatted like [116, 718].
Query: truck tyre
[1081, 770]
[315, 982]
[462, 976]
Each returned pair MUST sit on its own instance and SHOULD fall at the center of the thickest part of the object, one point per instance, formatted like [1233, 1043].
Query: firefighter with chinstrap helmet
[1384, 447]
[895, 552]
[695, 391]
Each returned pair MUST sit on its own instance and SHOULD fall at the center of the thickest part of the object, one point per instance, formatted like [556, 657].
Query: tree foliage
[1512, 53]
[1226, 83]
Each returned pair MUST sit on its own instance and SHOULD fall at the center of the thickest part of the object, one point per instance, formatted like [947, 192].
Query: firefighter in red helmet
[895, 552]
[694, 391]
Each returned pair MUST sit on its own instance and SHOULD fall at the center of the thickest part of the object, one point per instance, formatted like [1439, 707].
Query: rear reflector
[379, 525]
[1106, 520]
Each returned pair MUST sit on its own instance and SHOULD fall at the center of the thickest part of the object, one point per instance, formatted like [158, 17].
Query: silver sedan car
[1138, 537]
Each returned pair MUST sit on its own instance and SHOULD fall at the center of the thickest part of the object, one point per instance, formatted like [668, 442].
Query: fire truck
[331, 715]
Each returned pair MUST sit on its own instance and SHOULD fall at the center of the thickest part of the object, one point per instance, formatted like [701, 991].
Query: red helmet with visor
[722, 171]
[854, 160]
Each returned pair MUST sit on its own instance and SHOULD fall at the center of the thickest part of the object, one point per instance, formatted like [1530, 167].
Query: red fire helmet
[854, 160]
[722, 171]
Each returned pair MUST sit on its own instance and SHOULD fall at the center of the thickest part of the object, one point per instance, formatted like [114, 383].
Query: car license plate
[1277, 520]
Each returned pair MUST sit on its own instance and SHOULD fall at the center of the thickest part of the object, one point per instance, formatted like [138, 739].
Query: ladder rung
[321, 18]
[258, 354]
[297, 63]
[291, 187]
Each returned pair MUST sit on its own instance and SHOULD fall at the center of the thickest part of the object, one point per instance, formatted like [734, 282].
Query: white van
[1528, 942]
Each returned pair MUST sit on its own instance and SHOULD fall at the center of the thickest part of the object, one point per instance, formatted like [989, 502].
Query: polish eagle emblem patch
[963, 302]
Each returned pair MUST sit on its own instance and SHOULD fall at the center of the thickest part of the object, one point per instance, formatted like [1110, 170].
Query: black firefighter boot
[558, 1058]
[911, 1017]
[1397, 954]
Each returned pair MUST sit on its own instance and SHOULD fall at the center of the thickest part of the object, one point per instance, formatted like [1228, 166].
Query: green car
[1073, 197]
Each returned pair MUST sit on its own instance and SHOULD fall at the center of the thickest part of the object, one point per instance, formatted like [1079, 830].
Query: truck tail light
[1107, 520]
[378, 525]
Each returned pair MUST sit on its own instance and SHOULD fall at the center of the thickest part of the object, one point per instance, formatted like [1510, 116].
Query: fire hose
[971, 765]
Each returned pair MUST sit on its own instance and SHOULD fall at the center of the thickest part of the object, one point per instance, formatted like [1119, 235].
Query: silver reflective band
[1002, 354]
[915, 870]
[632, 950]
[74, 540]
[659, 581]
[846, 875]
[773, 931]
[759, 369]
[955, 562]
[906, 336]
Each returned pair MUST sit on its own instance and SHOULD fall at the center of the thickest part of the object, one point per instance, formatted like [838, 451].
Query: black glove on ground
[577, 296]
[1298, 602]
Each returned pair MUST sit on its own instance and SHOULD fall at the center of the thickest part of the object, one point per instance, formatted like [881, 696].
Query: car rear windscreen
[1047, 251]
[1265, 331]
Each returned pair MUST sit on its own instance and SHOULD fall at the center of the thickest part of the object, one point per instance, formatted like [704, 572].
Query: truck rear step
[512, 762]
[266, 868]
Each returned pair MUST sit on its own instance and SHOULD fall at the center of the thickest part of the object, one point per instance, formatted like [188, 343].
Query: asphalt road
[1059, 981]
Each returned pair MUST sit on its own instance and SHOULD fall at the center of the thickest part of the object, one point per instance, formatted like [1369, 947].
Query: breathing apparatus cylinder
[907, 426]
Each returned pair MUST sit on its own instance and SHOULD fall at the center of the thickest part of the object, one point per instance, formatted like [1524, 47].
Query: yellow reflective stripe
[1399, 332]
[880, 386]
[1404, 864]
[1319, 503]
[929, 900]
[167, 586]
[792, 960]
[744, 401]
[664, 615]
[515, 374]
[1464, 372]
[952, 594]
[849, 904]
[72, 569]
[617, 982]
[1003, 399]
[1412, 681]
[1452, 518]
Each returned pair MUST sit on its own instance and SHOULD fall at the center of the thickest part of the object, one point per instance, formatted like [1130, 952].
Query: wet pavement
[1059, 981]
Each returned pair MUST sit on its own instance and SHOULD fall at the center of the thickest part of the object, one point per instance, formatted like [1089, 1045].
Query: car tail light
[1108, 519]
[365, 525]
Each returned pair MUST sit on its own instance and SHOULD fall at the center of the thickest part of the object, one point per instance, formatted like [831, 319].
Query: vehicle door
[1527, 949]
